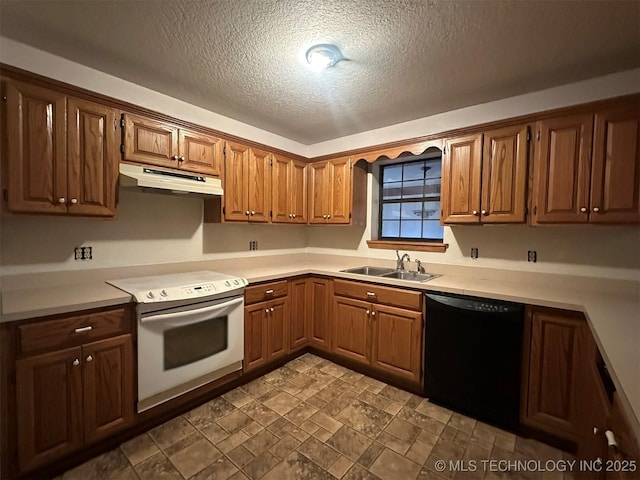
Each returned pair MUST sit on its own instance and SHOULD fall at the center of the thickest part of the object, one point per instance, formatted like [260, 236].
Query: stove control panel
[214, 288]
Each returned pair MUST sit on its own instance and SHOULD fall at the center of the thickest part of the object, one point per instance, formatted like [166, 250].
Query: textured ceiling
[405, 59]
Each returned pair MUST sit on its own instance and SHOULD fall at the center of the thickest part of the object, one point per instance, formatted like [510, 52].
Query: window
[410, 201]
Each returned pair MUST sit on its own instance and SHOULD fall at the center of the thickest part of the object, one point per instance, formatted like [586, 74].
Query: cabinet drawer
[74, 330]
[265, 291]
[377, 294]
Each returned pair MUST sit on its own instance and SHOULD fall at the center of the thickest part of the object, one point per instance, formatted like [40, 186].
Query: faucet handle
[398, 254]
[419, 266]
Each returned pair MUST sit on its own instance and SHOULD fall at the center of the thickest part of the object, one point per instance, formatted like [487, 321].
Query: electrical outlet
[532, 256]
[253, 245]
[83, 253]
[474, 252]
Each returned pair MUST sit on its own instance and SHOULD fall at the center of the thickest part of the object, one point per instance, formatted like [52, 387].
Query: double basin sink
[391, 273]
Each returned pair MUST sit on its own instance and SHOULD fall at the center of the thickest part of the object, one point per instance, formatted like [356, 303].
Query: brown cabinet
[300, 309]
[588, 167]
[266, 323]
[369, 327]
[320, 309]
[337, 192]
[247, 191]
[71, 393]
[485, 184]
[288, 190]
[556, 351]
[62, 153]
[163, 144]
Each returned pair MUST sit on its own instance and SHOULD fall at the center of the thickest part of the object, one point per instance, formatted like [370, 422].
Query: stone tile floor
[313, 419]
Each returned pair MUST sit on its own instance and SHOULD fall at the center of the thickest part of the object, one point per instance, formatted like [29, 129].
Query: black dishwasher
[473, 351]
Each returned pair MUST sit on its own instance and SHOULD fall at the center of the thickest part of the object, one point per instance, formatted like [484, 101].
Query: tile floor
[312, 419]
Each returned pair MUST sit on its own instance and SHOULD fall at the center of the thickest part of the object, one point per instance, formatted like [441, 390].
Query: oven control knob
[163, 293]
[235, 282]
[227, 283]
[150, 295]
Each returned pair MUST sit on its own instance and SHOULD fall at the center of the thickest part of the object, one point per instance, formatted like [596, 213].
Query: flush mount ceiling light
[323, 56]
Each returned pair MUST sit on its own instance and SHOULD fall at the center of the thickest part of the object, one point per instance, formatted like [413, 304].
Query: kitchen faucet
[400, 262]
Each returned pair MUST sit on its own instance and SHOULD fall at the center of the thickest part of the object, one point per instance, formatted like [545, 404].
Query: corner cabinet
[74, 384]
[587, 167]
[485, 184]
[337, 192]
[288, 190]
[62, 153]
[163, 144]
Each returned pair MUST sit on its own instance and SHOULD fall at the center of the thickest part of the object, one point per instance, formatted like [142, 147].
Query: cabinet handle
[74, 201]
[62, 200]
[324, 216]
[328, 217]
[475, 212]
[247, 213]
[266, 310]
[174, 157]
[596, 209]
[484, 212]
[88, 328]
[595, 430]
[252, 212]
[611, 439]
[583, 209]
[271, 309]
[89, 358]
[367, 312]
[268, 292]
[290, 216]
[371, 294]
[373, 313]
[294, 215]
[181, 159]
[76, 362]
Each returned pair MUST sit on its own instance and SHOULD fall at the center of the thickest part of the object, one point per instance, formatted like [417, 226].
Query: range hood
[176, 182]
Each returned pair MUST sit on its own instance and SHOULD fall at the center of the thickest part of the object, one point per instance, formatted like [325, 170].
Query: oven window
[190, 343]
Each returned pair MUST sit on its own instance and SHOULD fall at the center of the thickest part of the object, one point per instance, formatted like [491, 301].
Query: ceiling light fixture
[323, 56]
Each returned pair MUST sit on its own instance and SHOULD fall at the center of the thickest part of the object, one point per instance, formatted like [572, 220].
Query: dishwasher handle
[475, 304]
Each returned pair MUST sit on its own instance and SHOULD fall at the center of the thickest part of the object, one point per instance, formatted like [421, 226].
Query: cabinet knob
[89, 358]
[271, 309]
[583, 209]
[373, 313]
[293, 216]
[181, 159]
[475, 212]
[174, 157]
[324, 216]
[74, 201]
[266, 310]
[62, 200]
[290, 216]
[596, 209]
[328, 217]
[76, 362]
[252, 212]
[484, 212]
[247, 212]
[368, 312]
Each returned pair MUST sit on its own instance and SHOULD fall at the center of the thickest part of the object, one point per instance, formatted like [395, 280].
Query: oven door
[182, 348]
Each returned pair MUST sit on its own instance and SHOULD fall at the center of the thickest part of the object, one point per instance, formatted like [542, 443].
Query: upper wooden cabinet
[62, 153]
[247, 189]
[337, 192]
[588, 167]
[487, 184]
[165, 145]
[288, 190]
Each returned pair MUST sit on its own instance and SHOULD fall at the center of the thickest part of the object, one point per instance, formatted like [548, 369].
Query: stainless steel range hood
[149, 177]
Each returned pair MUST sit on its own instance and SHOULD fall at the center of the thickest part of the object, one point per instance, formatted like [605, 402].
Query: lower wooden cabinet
[71, 397]
[371, 332]
[299, 331]
[320, 305]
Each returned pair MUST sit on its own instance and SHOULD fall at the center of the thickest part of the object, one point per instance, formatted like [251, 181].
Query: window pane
[432, 188]
[392, 174]
[413, 171]
[391, 211]
[431, 211]
[411, 211]
[433, 168]
[390, 228]
[391, 191]
[413, 189]
[432, 229]
[411, 229]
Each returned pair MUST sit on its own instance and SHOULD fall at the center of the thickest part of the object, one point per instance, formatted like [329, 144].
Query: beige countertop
[611, 307]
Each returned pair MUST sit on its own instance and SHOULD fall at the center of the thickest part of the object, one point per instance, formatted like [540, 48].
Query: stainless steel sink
[408, 275]
[368, 270]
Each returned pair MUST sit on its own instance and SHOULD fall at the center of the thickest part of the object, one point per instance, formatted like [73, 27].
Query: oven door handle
[187, 317]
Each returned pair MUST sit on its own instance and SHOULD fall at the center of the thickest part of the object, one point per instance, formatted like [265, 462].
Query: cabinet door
[340, 191]
[299, 317]
[280, 186]
[49, 406]
[236, 178]
[150, 141]
[319, 325]
[397, 337]
[278, 328]
[259, 179]
[299, 194]
[200, 153]
[255, 336]
[351, 324]
[36, 149]
[615, 171]
[319, 184]
[554, 367]
[504, 175]
[461, 170]
[92, 152]
[108, 386]
[562, 169]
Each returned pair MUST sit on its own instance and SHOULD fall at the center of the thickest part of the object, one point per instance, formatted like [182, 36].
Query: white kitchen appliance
[190, 331]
